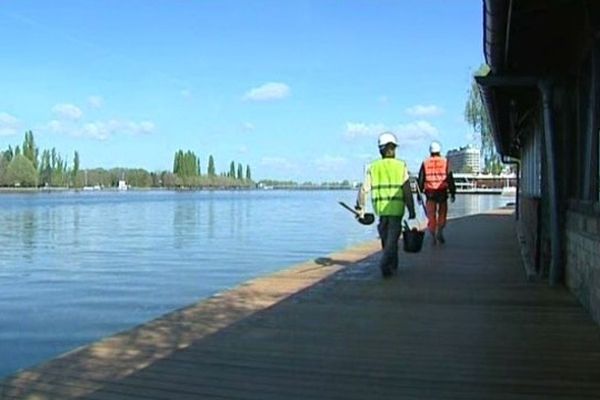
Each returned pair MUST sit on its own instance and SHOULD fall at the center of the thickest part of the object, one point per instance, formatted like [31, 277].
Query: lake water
[78, 266]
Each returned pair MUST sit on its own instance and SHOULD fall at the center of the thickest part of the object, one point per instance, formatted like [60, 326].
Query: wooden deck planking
[458, 321]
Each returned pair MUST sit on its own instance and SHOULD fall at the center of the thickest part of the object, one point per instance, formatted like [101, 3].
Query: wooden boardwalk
[458, 322]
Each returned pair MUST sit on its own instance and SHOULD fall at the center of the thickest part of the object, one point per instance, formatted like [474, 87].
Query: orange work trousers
[436, 215]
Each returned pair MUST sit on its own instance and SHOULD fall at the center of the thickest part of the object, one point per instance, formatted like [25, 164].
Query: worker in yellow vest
[436, 181]
[387, 180]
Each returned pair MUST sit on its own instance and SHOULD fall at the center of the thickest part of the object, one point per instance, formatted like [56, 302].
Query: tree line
[188, 172]
[25, 166]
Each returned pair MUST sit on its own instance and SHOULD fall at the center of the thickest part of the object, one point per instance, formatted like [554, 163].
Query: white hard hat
[385, 138]
[435, 147]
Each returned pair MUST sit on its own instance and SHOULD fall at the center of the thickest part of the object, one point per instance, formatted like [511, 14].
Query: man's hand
[452, 198]
[360, 211]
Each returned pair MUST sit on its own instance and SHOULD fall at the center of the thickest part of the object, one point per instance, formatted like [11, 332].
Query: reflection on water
[75, 267]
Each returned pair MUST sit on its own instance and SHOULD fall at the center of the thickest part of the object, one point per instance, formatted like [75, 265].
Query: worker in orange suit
[436, 181]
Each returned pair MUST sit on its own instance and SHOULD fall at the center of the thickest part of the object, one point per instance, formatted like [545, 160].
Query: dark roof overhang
[525, 41]
[502, 96]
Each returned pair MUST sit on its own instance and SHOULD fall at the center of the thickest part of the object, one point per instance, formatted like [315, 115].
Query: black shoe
[434, 240]
[440, 237]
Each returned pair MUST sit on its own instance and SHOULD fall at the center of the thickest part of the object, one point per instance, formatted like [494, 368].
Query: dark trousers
[389, 231]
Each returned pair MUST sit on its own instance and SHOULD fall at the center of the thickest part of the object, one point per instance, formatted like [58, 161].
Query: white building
[465, 160]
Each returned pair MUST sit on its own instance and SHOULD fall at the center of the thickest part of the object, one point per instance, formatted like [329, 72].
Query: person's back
[436, 173]
[388, 176]
[435, 180]
[387, 180]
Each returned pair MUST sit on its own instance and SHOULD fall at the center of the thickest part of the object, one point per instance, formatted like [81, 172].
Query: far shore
[6, 190]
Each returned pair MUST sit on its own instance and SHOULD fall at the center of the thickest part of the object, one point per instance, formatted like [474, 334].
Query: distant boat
[484, 184]
[122, 185]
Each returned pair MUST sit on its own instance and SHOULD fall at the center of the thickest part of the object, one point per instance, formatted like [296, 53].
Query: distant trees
[211, 166]
[20, 172]
[24, 167]
[186, 164]
[27, 166]
[75, 169]
[30, 151]
[186, 168]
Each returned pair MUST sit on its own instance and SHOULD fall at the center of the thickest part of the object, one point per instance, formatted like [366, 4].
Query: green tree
[231, 170]
[248, 173]
[75, 165]
[30, 151]
[9, 154]
[211, 166]
[58, 176]
[177, 161]
[170, 180]
[20, 172]
[186, 164]
[138, 177]
[45, 169]
[240, 172]
[4, 161]
[476, 116]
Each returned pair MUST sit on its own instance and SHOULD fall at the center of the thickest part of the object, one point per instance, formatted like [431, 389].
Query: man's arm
[408, 199]
[421, 179]
[365, 188]
[451, 184]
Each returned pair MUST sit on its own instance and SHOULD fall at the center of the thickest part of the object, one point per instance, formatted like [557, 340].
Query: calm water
[75, 267]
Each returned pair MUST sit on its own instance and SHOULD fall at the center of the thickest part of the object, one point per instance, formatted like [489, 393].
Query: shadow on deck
[458, 321]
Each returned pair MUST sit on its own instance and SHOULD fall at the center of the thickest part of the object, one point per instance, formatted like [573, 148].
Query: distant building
[464, 160]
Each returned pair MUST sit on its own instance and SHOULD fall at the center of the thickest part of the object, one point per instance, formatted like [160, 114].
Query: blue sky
[296, 89]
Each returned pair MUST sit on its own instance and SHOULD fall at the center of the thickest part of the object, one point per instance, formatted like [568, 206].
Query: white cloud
[424, 111]
[67, 111]
[242, 149]
[248, 127]
[415, 132]
[101, 130]
[9, 125]
[407, 134]
[360, 129]
[95, 101]
[329, 163]
[268, 91]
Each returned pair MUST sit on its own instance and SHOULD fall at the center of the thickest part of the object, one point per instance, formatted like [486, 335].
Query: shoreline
[123, 353]
[29, 190]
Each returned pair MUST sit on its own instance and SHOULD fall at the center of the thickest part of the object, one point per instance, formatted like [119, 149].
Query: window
[531, 164]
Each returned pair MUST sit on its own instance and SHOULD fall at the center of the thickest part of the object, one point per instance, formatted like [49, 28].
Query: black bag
[413, 239]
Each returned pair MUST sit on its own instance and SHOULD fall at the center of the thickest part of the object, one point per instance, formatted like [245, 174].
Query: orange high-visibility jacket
[436, 174]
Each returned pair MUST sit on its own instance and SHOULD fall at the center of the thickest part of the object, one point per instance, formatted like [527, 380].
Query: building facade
[543, 99]
[464, 160]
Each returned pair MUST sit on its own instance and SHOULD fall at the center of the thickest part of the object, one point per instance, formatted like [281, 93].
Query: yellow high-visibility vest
[388, 175]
